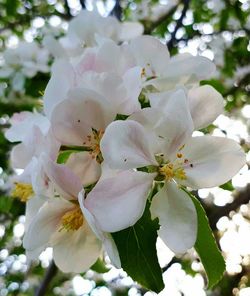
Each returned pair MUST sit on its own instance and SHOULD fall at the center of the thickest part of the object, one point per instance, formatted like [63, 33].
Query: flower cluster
[117, 122]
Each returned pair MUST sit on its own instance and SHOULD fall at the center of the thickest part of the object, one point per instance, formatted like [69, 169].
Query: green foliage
[207, 248]
[137, 250]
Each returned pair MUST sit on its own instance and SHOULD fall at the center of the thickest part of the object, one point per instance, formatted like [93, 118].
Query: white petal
[177, 217]
[206, 104]
[61, 81]
[65, 181]
[74, 118]
[45, 223]
[76, 251]
[212, 161]
[105, 237]
[85, 167]
[126, 144]
[150, 53]
[177, 124]
[122, 197]
[130, 30]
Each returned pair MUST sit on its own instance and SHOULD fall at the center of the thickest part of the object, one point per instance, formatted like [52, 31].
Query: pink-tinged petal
[76, 251]
[151, 54]
[122, 197]
[73, 119]
[105, 237]
[85, 167]
[206, 104]
[126, 145]
[177, 217]
[212, 161]
[45, 223]
[66, 183]
[62, 79]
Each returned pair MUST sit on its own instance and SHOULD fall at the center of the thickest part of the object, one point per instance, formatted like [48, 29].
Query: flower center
[72, 220]
[93, 142]
[22, 191]
[174, 169]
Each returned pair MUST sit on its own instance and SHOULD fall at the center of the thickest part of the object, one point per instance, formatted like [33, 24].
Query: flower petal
[145, 48]
[126, 145]
[76, 251]
[45, 223]
[74, 118]
[206, 104]
[212, 161]
[85, 167]
[177, 217]
[105, 237]
[67, 184]
[124, 201]
[61, 81]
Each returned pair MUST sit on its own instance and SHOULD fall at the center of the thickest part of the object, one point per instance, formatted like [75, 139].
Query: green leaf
[100, 266]
[5, 204]
[137, 250]
[207, 248]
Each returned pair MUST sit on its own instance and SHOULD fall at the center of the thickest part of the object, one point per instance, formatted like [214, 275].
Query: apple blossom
[160, 141]
[62, 225]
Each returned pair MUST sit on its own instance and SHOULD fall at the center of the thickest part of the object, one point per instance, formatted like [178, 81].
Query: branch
[117, 10]
[67, 8]
[152, 25]
[241, 197]
[83, 4]
[50, 273]
[179, 24]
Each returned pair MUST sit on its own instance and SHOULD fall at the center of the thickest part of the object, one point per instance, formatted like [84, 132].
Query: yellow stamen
[143, 72]
[22, 191]
[179, 155]
[169, 171]
[93, 142]
[72, 220]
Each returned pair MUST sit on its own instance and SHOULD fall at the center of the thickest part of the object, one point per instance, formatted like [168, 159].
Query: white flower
[160, 140]
[60, 224]
[86, 29]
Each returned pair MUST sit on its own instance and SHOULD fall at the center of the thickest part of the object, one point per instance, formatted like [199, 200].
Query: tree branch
[67, 8]
[83, 4]
[241, 197]
[179, 24]
[149, 27]
[117, 10]
[50, 273]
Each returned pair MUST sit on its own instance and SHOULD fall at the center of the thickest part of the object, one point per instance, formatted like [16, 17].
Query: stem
[50, 273]
[179, 24]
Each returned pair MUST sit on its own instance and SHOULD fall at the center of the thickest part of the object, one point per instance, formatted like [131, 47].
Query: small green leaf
[5, 204]
[137, 250]
[207, 248]
[100, 266]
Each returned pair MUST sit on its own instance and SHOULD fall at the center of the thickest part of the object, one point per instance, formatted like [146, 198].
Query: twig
[117, 10]
[50, 273]
[171, 42]
[83, 4]
[149, 27]
[67, 8]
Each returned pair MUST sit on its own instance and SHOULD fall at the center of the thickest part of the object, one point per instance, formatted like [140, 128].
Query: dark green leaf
[207, 248]
[137, 250]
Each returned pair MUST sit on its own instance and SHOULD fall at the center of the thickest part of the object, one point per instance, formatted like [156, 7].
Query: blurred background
[216, 29]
